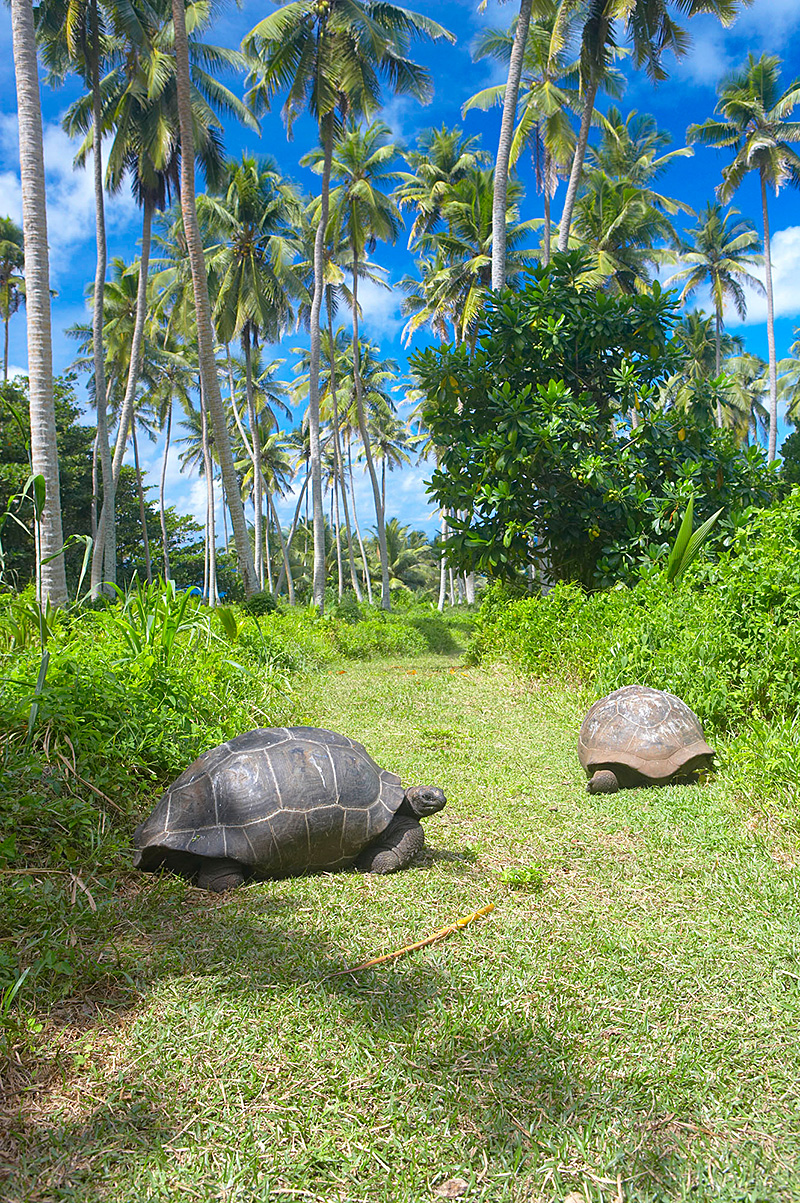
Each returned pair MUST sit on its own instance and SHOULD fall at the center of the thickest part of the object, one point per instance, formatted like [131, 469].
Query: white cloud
[785, 248]
[70, 193]
[709, 58]
[380, 309]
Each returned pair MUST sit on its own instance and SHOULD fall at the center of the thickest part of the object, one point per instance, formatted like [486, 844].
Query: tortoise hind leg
[219, 873]
[395, 848]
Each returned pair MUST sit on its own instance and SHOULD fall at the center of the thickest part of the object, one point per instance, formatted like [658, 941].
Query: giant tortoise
[282, 801]
[641, 736]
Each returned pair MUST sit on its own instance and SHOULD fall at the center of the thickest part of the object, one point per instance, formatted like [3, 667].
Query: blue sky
[687, 96]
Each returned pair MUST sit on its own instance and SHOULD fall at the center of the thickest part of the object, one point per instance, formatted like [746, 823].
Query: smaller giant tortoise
[641, 736]
[282, 801]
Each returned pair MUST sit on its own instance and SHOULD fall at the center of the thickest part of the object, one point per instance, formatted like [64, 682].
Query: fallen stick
[437, 935]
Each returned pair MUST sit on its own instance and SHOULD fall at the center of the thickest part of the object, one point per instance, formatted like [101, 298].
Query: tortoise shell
[279, 800]
[648, 732]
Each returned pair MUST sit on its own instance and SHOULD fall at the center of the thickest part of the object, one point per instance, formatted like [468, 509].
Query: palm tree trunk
[107, 533]
[367, 581]
[442, 567]
[256, 444]
[93, 510]
[98, 298]
[208, 467]
[205, 335]
[386, 603]
[335, 520]
[577, 164]
[326, 138]
[51, 577]
[499, 204]
[286, 570]
[162, 511]
[267, 555]
[548, 225]
[6, 320]
[773, 368]
[142, 514]
[718, 357]
[337, 452]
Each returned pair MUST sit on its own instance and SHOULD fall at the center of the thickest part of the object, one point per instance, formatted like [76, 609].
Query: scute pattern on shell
[647, 730]
[279, 800]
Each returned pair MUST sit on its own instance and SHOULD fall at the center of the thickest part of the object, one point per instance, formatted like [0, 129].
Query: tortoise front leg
[395, 848]
[219, 873]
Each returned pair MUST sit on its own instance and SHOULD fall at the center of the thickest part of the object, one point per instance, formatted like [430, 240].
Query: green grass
[621, 1028]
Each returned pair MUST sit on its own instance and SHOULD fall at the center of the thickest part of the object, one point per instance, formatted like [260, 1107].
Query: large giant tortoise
[641, 736]
[281, 801]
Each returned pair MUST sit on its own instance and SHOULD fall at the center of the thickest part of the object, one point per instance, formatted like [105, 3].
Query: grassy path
[622, 1028]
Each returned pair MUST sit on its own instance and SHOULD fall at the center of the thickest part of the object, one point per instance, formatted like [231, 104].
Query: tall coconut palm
[75, 36]
[205, 335]
[548, 93]
[362, 163]
[330, 57]
[12, 281]
[501, 166]
[51, 579]
[650, 30]
[718, 257]
[251, 267]
[752, 121]
[458, 271]
[443, 157]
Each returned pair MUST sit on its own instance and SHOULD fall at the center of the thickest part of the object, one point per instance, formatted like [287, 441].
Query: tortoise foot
[219, 874]
[603, 782]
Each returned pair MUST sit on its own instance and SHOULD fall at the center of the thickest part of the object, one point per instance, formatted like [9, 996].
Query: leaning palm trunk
[107, 532]
[142, 512]
[326, 137]
[97, 308]
[256, 444]
[500, 201]
[362, 426]
[211, 534]
[286, 570]
[337, 454]
[718, 357]
[51, 579]
[161, 508]
[577, 164]
[367, 580]
[205, 336]
[267, 551]
[773, 368]
[443, 566]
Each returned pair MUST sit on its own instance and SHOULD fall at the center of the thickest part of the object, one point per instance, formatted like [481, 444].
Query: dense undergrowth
[725, 638]
[132, 693]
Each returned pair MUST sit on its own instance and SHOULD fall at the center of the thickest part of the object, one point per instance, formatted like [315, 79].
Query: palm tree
[549, 90]
[753, 123]
[444, 156]
[51, 579]
[510, 95]
[458, 271]
[12, 282]
[251, 267]
[330, 56]
[650, 31]
[205, 335]
[391, 442]
[789, 381]
[721, 251]
[74, 35]
[364, 214]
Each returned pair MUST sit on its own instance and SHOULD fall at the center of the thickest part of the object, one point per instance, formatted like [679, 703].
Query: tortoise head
[424, 800]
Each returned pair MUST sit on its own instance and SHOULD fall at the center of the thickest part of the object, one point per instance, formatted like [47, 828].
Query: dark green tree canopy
[537, 455]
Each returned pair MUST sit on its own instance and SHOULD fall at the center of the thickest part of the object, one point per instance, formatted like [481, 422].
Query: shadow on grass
[513, 1087]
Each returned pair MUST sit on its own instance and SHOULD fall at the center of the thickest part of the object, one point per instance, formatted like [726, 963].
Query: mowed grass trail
[623, 1026]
